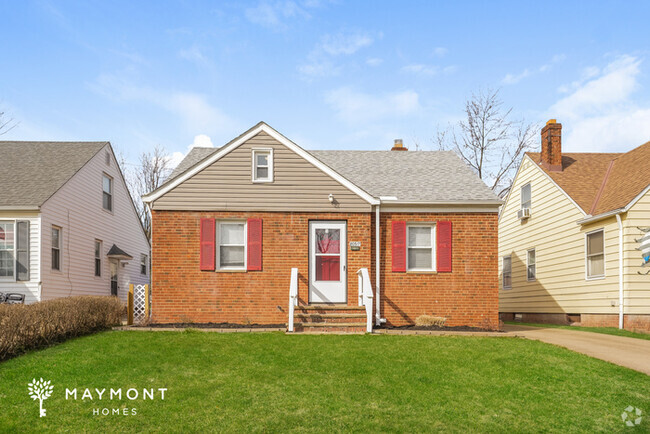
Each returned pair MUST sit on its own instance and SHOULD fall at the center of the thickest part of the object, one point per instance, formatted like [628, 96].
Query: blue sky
[328, 75]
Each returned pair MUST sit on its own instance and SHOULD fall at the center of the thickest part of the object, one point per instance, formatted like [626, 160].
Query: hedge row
[26, 327]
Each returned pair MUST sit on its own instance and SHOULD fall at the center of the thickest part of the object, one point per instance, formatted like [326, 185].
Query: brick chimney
[398, 146]
[552, 146]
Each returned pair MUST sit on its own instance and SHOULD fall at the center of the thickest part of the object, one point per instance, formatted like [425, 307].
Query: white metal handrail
[293, 296]
[366, 296]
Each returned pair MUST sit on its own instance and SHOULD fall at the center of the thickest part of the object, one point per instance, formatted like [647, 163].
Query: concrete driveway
[629, 352]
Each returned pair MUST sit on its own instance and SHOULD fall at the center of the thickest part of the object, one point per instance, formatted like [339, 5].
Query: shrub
[430, 321]
[26, 327]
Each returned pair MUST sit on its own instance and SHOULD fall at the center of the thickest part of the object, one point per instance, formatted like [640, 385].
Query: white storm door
[327, 262]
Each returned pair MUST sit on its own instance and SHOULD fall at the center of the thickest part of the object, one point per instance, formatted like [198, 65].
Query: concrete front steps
[330, 318]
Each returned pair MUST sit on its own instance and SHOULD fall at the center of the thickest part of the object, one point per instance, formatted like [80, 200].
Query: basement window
[262, 165]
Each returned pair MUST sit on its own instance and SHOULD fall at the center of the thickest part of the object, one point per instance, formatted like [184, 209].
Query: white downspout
[620, 271]
[377, 267]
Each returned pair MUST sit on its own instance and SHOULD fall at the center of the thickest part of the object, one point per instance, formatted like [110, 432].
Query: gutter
[594, 218]
[621, 274]
[378, 318]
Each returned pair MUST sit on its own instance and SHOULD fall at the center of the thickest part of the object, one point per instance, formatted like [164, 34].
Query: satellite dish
[645, 247]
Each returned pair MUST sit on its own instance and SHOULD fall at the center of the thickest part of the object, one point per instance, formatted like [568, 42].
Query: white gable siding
[77, 209]
[31, 288]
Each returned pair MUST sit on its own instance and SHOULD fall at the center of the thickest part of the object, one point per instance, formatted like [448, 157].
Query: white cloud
[440, 51]
[601, 114]
[321, 60]
[374, 61]
[416, 68]
[274, 15]
[512, 78]
[353, 107]
[193, 54]
[193, 109]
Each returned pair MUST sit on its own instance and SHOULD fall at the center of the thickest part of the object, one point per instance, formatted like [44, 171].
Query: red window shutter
[207, 244]
[444, 246]
[254, 248]
[399, 246]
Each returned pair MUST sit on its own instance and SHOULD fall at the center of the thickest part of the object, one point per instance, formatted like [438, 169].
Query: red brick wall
[183, 293]
[466, 296]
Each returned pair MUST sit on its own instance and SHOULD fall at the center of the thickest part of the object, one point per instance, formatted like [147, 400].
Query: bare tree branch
[6, 124]
[488, 141]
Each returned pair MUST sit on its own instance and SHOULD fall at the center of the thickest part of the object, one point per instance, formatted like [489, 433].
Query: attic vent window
[262, 165]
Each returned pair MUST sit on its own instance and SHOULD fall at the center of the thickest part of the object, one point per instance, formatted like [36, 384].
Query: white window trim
[112, 193]
[604, 275]
[218, 245]
[11, 279]
[503, 268]
[521, 196]
[59, 248]
[528, 264]
[432, 247]
[254, 152]
[101, 263]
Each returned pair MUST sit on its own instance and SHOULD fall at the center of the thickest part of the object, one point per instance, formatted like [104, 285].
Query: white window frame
[59, 248]
[503, 272]
[254, 166]
[96, 257]
[144, 260]
[528, 264]
[13, 278]
[521, 194]
[112, 194]
[599, 276]
[218, 244]
[431, 226]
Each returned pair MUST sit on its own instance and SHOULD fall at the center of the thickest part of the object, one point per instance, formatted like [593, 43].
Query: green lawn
[242, 382]
[604, 330]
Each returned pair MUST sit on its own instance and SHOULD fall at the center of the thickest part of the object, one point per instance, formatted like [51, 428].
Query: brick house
[231, 223]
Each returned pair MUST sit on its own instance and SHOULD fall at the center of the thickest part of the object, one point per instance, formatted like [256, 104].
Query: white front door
[327, 262]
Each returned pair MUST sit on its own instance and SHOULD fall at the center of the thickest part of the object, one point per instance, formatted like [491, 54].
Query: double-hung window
[531, 268]
[7, 251]
[526, 196]
[98, 258]
[507, 272]
[595, 254]
[56, 248]
[262, 165]
[143, 264]
[107, 195]
[421, 254]
[231, 242]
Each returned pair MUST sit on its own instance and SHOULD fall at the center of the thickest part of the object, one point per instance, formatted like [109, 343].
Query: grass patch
[243, 382]
[603, 330]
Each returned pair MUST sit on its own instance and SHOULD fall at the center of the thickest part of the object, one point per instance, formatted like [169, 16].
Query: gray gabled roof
[409, 176]
[31, 172]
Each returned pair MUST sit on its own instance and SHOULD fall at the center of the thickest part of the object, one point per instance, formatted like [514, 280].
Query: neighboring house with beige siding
[67, 222]
[568, 237]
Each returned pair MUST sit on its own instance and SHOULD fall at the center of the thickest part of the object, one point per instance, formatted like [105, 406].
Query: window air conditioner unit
[523, 213]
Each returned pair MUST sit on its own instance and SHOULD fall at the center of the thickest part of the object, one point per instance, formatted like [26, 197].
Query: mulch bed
[442, 329]
[214, 325]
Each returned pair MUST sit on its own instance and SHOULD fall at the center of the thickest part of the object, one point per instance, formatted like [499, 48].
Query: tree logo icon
[40, 390]
[632, 416]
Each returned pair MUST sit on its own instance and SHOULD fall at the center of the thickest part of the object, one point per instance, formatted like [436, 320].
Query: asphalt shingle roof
[34, 171]
[410, 176]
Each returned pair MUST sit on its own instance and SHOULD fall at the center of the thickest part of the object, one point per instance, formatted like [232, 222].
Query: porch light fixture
[331, 198]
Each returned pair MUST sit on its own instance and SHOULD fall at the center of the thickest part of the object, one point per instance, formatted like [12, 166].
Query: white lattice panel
[139, 300]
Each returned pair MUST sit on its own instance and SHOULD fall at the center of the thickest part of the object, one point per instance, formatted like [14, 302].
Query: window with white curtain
[420, 246]
[595, 254]
[507, 272]
[231, 241]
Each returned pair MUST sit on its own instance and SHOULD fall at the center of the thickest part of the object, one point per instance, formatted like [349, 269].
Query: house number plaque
[355, 245]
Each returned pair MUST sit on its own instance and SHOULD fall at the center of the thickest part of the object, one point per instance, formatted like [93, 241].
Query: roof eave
[20, 208]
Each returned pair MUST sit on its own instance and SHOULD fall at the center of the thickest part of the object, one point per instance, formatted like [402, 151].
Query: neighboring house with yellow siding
[568, 236]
